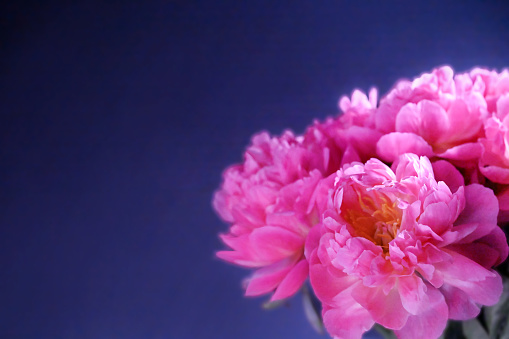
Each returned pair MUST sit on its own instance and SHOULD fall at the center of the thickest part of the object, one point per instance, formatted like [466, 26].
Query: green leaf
[386, 333]
[497, 316]
[472, 329]
[270, 305]
[312, 310]
[453, 330]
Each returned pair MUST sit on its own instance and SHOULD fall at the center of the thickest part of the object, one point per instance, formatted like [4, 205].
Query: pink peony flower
[495, 85]
[398, 248]
[270, 201]
[358, 110]
[357, 125]
[434, 115]
[276, 196]
[494, 159]
[494, 162]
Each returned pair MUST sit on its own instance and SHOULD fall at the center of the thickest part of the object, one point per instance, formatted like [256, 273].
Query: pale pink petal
[431, 322]
[345, 318]
[438, 217]
[327, 285]
[413, 295]
[349, 323]
[387, 310]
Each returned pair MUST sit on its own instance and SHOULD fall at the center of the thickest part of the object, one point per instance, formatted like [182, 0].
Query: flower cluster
[394, 210]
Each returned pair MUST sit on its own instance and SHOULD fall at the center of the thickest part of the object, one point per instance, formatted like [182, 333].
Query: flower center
[374, 217]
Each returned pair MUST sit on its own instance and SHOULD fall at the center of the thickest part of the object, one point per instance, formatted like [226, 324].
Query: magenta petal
[503, 200]
[293, 281]
[481, 207]
[488, 251]
[364, 140]
[446, 172]
[430, 323]
[312, 240]
[461, 307]
[482, 285]
[266, 279]
[392, 145]
[496, 174]
[237, 258]
[275, 243]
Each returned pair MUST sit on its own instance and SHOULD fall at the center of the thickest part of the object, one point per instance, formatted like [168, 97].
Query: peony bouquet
[393, 212]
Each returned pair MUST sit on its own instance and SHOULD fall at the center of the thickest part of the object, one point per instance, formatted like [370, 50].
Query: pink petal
[387, 310]
[488, 251]
[409, 119]
[429, 324]
[461, 306]
[391, 145]
[275, 243]
[364, 140]
[446, 172]
[238, 258]
[266, 279]
[293, 281]
[413, 293]
[348, 319]
[480, 284]
[327, 285]
[438, 217]
[482, 208]
[503, 200]
[427, 119]
[467, 151]
[466, 124]
[496, 174]
[312, 240]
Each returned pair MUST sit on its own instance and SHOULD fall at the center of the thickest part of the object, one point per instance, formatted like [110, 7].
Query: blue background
[118, 119]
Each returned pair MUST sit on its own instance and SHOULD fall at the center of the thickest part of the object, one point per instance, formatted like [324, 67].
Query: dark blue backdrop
[118, 118]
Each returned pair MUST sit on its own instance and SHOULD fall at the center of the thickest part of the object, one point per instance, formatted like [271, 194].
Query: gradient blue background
[118, 119]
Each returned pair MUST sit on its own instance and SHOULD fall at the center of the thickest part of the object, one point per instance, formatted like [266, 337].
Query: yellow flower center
[375, 218]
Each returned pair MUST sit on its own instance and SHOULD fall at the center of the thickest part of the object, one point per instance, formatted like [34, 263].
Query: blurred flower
[269, 201]
[277, 195]
[434, 115]
[398, 248]
[494, 159]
